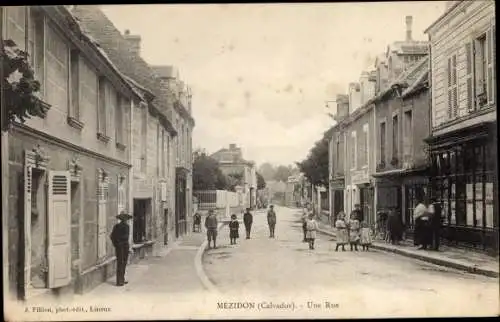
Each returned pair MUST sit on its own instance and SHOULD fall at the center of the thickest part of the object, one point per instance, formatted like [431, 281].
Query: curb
[437, 261]
[198, 265]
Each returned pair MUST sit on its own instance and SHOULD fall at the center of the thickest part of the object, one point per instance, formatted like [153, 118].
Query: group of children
[352, 232]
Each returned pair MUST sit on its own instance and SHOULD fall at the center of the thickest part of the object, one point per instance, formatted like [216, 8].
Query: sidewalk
[470, 261]
[174, 269]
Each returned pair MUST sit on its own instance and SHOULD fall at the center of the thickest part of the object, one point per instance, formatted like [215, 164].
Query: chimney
[409, 21]
[134, 42]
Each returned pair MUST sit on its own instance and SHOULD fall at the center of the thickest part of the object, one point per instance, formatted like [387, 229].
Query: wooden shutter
[449, 82]
[478, 68]
[489, 66]
[455, 84]
[468, 77]
[101, 220]
[59, 228]
[28, 182]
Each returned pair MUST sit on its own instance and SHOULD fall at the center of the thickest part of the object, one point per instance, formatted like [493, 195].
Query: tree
[282, 173]
[19, 87]
[261, 182]
[234, 179]
[315, 167]
[267, 171]
[207, 174]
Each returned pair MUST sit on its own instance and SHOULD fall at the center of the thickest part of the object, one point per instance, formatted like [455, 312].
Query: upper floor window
[408, 121]
[395, 136]
[144, 138]
[36, 47]
[57, 58]
[353, 147]
[120, 122]
[74, 106]
[16, 24]
[101, 108]
[366, 145]
[382, 141]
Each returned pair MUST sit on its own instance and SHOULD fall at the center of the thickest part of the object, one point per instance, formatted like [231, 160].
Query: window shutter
[102, 221]
[470, 88]
[59, 229]
[455, 101]
[479, 86]
[28, 182]
[489, 64]
[449, 89]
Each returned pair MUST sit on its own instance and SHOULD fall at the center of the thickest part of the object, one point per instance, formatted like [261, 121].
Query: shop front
[463, 179]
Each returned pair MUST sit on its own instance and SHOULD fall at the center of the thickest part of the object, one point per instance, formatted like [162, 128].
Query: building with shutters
[154, 137]
[463, 118]
[178, 95]
[69, 172]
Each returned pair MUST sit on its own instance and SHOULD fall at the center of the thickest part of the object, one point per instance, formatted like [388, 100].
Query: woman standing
[311, 227]
[394, 227]
[421, 220]
[341, 234]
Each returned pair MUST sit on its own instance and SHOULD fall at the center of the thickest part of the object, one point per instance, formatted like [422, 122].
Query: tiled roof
[409, 47]
[108, 37]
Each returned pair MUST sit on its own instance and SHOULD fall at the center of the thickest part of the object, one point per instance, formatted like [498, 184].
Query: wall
[420, 106]
[447, 37]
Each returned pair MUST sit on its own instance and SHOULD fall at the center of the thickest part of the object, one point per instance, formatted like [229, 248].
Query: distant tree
[267, 170]
[315, 167]
[207, 174]
[282, 173]
[261, 182]
[233, 180]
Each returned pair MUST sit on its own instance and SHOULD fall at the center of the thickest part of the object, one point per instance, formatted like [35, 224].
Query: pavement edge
[437, 261]
[198, 264]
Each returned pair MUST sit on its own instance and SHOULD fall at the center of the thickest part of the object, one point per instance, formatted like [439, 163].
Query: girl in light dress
[311, 227]
[354, 233]
[365, 236]
[341, 234]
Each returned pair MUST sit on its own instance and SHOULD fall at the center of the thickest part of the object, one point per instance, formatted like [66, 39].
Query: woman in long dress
[421, 220]
[341, 234]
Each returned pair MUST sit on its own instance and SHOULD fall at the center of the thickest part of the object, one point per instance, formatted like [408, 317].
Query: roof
[166, 71]
[409, 47]
[119, 51]
[420, 83]
[446, 12]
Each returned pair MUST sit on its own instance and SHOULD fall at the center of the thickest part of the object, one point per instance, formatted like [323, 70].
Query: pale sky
[261, 73]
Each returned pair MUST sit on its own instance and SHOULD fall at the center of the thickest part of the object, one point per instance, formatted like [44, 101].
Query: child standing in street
[311, 227]
[341, 234]
[354, 233]
[366, 236]
[234, 227]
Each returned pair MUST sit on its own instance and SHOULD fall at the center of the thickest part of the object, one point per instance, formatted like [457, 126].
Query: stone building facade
[69, 172]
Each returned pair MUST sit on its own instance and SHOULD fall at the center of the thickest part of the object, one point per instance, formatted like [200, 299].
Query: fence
[221, 201]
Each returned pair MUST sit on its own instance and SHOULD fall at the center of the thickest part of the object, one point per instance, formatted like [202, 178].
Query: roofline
[440, 18]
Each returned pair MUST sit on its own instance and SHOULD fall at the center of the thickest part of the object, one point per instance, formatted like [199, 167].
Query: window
[158, 149]
[480, 64]
[16, 24]
[120, 119]
[481, 57]
[407, 134]
[452, 87]
[122, 197]
[395, 137]
[57, 71]
[365, 145]
[74, 107]
[101, 106]
[89, 97]
[163, 160]
[382, 142]
[353, 147]
[144, 138]
[36, 40]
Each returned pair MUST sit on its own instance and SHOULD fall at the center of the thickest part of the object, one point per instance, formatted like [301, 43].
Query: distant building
[231, 163]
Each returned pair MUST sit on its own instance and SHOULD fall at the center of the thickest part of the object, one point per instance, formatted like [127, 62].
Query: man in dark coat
[248, 220]
[271, 221]
[435, 223]
[120, 239]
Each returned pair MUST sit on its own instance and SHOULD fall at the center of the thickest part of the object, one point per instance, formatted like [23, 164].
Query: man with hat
[211, 226]
[120, 239]
[248, 220]
[271, 221]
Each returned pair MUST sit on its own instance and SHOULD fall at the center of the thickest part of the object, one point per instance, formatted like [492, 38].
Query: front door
[180, 203]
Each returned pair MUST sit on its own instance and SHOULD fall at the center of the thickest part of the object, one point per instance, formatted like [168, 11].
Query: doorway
[141, 215]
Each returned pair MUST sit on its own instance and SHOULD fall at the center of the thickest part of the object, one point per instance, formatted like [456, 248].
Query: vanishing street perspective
[228, 161]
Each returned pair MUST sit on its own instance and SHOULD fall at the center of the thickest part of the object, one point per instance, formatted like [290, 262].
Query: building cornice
[26, 130]
[449, 14]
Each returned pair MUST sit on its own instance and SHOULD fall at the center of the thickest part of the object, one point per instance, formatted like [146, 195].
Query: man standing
[211, 226]
[357, 213]
[271, 221]
[248, 220]
[119, 237]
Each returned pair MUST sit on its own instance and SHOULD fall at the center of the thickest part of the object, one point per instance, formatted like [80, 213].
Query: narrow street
[373, 281]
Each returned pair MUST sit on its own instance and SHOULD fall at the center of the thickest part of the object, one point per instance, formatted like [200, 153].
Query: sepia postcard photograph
[225, 161]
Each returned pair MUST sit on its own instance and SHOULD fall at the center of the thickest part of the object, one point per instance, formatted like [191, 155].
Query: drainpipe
[429, 155]
[5, 180]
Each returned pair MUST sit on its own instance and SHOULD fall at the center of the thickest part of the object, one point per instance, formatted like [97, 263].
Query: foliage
[233, 180]
[207, 174]
[315, 167]
[282, 173]
[19, 87]
[261, 182]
